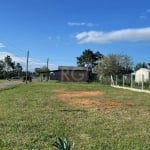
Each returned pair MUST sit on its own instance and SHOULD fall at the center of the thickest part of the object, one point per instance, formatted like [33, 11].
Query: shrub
[63, 144]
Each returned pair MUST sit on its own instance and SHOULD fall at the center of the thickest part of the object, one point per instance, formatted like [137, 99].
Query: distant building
[44, 75]
[143, 74]
[71, 74]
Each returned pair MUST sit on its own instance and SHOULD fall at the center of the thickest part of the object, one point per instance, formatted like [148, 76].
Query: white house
[143, 74]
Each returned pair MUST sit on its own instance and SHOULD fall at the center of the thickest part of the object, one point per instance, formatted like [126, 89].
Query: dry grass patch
[87, 99]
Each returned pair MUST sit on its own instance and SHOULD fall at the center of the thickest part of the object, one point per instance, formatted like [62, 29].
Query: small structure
[142, 75]
[44, 75]
[71, 73]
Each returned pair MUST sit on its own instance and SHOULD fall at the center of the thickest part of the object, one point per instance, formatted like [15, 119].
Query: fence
[129, 82]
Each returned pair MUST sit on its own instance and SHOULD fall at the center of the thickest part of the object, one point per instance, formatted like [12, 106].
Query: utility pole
[47, 69]
[27, 66]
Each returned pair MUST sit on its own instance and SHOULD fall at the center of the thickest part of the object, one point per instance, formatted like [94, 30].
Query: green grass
[32, 117]
[1, 81]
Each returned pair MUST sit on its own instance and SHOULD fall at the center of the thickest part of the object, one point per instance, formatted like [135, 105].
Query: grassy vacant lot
[93, 116]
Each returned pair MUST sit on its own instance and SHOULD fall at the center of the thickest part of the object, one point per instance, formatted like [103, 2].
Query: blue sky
[61, 29]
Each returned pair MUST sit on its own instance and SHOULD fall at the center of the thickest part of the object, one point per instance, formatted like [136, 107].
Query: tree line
[10, 69]
[112, 64]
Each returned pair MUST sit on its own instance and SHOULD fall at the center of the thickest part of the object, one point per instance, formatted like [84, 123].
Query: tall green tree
[114, 64]
[140, 65]
[18, 69]
[11, 68]
[8, 63]
[89, 58]
[37, 71]
[43, 69]
[2, 65]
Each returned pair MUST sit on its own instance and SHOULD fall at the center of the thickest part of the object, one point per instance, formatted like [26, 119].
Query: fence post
[112, 80]
[123, 80]
[142, 81]
[131, 80]
[116, 79]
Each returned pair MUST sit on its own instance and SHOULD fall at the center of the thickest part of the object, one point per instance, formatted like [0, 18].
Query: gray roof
[71, 68]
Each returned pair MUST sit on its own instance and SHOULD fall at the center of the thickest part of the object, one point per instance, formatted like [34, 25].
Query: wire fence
[129, 81]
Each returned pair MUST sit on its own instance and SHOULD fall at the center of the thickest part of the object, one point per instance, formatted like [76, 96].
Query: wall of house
[55, 75]
[74, 75]
[142, 75]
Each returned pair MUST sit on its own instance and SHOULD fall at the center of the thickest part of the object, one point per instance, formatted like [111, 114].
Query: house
[71, 73]
[142, 75]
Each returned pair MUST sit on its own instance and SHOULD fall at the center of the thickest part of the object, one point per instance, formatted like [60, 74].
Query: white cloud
[137, 34]
[80, 24]
[2, 45]
[33, 63]
[145, 14]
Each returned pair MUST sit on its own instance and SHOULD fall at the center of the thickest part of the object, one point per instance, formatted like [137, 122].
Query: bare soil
[88, 99]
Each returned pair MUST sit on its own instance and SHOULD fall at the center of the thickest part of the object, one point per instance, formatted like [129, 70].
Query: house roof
[72, 68]
[143, 70]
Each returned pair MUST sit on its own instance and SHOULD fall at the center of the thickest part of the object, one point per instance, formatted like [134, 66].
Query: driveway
[7, 83]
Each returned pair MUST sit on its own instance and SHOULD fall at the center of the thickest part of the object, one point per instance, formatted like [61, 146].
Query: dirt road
[7, 83]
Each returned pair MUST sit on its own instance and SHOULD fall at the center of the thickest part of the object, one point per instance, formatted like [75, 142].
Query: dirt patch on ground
[87, 99]
[75, 94]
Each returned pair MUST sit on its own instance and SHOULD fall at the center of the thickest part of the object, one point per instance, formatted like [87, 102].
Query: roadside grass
[32, 116]
[2, 80]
